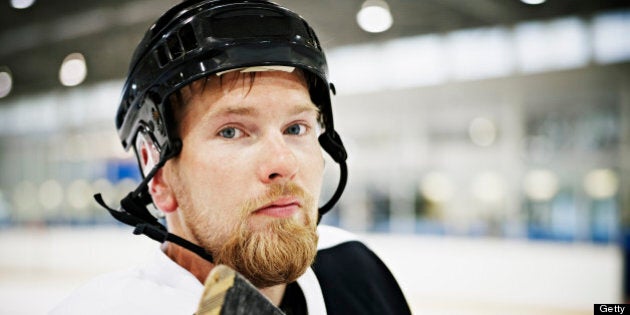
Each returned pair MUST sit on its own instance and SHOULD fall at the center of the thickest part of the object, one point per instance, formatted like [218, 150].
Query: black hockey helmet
[197, 38]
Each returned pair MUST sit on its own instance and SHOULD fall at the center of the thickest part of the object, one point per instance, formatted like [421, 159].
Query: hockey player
[227, 107]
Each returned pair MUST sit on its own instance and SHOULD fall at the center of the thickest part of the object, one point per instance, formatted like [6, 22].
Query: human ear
[162, 193]
[159, 187]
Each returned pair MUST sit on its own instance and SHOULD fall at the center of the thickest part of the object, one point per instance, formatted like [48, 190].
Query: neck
[275, 293]
[200, 268]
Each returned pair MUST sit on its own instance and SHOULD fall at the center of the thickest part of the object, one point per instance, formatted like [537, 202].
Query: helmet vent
[312, 38]
[176, 45]
[161, 55]
[250, 24]
[187, 38]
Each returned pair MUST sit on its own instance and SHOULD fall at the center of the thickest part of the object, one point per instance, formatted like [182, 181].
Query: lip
[281, 208]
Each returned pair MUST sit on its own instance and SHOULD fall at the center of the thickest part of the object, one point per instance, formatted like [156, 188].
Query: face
[250, 172]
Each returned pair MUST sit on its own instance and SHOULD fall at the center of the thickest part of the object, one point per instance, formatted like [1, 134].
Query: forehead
[237, 89]
[239, 84]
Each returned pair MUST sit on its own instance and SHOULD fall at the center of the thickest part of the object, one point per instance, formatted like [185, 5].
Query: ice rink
[439, 275]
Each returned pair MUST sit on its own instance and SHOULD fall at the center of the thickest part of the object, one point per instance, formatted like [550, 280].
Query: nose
[277, 161]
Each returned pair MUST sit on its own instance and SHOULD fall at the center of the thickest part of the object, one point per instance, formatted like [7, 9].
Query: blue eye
[295, 129]
[229, 132]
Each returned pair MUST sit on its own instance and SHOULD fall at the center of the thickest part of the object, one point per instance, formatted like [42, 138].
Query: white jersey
[164, 287]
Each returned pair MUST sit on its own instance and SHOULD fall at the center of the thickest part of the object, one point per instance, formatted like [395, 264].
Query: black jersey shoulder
[355, 281]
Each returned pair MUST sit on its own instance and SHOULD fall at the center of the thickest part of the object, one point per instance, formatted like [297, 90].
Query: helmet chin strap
[154, 230]
[133, 207]
[133, 211]
[331, 143]
[343, 178]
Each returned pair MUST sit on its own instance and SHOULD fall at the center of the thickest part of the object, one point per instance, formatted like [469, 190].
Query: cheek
[313, 169]
[213, 194]
[209, 179]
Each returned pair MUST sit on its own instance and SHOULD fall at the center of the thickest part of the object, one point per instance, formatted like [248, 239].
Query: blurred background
[488, 140]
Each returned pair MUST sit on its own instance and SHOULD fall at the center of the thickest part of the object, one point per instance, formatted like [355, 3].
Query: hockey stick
[226, 292]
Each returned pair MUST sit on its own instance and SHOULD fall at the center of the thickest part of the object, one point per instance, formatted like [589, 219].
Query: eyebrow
[251, 111]
[241, 111]
[305, 108]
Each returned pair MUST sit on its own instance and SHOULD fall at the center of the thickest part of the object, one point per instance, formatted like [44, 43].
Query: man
[227, 106]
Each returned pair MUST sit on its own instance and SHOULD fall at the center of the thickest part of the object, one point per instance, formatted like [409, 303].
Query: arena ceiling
[34, 41]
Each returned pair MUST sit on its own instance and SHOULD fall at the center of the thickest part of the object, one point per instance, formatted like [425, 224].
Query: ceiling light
[374, 16]
[22, 4]
[78, 194]
[541, 185]
[601, 183]
[23, 198]
[6, 83]
[73, 70]
[50, 194]
[482, 132]
[533, 2]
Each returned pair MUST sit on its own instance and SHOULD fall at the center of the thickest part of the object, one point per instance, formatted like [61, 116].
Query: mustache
[273, 193]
